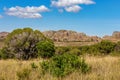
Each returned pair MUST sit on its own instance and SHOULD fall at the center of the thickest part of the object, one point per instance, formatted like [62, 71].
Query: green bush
[102, 48]
[4, 53]
[75, 51]
[84, 49]
[45, 49]
[106, 47]
[61, 50]
[62, 65]
[93, 50]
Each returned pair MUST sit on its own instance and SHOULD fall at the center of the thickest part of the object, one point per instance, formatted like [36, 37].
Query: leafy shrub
[62, 65]
[93, 50]
[46, 49]
[75, 51]
[24, 74]
[106, 47]
[84, 49]
[61, 50]
[101, 48]
[22, 43]
[4, 53]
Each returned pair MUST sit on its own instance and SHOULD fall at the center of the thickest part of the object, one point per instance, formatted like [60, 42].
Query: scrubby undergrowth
[103, 68]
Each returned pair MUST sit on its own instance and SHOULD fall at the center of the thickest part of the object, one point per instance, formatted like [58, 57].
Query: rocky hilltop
[70, 36]
[114, 37]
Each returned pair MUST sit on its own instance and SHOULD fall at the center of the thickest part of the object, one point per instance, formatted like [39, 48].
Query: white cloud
[26, 12]
[70, 4]
[74, 8]
[1, 16]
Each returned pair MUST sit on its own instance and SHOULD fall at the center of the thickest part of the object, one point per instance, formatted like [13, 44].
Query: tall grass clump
[24, 74]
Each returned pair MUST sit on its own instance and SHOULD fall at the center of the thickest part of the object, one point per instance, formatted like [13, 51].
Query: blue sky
[93, 17]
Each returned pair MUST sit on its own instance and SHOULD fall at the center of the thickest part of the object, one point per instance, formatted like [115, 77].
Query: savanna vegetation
[29, 55]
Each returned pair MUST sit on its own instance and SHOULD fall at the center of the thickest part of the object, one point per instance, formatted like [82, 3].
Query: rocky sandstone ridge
[70, 36]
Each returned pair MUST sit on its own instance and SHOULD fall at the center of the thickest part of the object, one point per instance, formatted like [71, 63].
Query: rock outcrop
[70, 36]
[114, 37]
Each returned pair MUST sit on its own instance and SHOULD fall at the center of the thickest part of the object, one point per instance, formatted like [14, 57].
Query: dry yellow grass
[103, 68]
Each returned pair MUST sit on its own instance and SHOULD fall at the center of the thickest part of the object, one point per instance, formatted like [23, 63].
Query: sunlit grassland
[103, 68]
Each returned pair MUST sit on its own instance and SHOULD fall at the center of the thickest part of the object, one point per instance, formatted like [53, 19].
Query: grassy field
[103, 68]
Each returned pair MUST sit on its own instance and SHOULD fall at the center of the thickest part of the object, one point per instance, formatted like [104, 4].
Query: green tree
[21, 43]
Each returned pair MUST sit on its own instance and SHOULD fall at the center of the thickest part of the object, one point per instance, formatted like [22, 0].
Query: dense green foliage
[61, 50]
[106, 47]
[46, 49]
[62, 65]
[102, 48]
[75, 51]
[4, 53]
[21, 43]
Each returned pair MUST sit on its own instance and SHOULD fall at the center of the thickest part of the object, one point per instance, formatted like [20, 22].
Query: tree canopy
[21, 43]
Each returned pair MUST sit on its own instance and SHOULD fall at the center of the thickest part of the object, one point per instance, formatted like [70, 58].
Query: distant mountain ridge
[72, 36]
